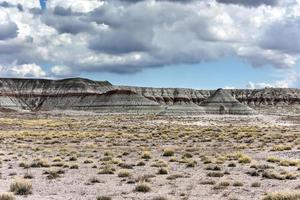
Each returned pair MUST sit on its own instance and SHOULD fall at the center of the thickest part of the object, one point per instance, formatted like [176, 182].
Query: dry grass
[7, 196]
[291, 195]
[21, 187]
[149, 155]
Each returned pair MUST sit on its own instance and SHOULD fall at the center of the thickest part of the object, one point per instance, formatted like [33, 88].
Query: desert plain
[90, 156]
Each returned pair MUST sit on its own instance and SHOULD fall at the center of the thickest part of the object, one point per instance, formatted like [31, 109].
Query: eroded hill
[84, 94]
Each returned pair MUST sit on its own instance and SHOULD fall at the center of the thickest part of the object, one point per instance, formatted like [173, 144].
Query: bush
[106, 170]
[21, 187]
[244, 159]
[159, 198]
[123, 174]
[237, 184]
[281, 148]
[146, 155]
[215, 174]
[7, 196]
[162, 171]
[168, 152]
[256, 184]
[103, 198]
[142, 187]
[283, 196]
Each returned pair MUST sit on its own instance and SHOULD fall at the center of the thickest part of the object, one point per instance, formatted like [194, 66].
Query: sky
[159, 43]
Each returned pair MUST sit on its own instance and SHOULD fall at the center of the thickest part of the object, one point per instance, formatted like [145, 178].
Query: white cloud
[229, 87]
[25, 70]
[96, 36]
[61, 71]
[289, 80]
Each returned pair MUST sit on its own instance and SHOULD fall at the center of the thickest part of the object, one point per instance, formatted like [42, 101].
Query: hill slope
[79, 93]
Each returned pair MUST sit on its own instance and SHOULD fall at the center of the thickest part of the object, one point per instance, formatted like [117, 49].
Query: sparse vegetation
[169, 152]
[142, 187]
[7, 196]
[291, 195]
[141, 155]
[104, 198]
[21, 187]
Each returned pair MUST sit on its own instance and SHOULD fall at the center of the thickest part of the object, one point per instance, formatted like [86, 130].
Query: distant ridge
[84, 94]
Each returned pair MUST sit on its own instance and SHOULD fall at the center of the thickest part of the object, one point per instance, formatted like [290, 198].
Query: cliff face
[44, 94]
[84, 94]
[253, 98]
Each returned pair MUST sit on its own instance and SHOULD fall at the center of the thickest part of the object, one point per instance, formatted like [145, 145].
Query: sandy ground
[238, 148]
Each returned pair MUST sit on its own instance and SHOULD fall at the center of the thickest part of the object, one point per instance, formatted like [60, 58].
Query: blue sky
[43, 4]
[226, 72]
[191, 44]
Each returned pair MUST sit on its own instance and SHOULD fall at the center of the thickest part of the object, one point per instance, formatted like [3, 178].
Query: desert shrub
[208, 182]
[126, 165]
[281, 148]
[244, 159]
[94, 180]
[237, 184]
[39, 163]
[232, 164]
[213, 168]
[273, 159]
[123, 174]
[215, 174]
[88, 161]
[73, 158]
[21, 187]
[191, 163]
[103, 198]
[146, 155]
[256, 184]
[174, 176]
[187, 155]
[168, 152]
[74, 166]
[221, 185]
[288, 162]
[57, 159]
[106, 170]
[142, 187]
[283, 196]
[270, 174]
[159, 198]
[7, 196]
[162, 171]
[53, 174]
[141, 163]
[160, 163]
[24, 165]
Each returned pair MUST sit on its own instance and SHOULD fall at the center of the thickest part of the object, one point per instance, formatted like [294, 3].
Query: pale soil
[104, 139]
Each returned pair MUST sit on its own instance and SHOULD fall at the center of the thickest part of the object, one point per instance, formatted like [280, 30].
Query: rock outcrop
[221, 102]
[84, 94]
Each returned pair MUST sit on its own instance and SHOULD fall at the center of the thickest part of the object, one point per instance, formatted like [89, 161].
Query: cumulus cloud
[61, 71]
[26, 70]
[289, 79]
[123, 36]
[283, 35]
[8, 30]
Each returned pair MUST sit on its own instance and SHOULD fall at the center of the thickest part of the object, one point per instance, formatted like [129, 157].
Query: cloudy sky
[164, 43]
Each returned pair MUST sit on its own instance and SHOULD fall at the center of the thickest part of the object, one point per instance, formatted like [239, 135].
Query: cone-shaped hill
[221, 102]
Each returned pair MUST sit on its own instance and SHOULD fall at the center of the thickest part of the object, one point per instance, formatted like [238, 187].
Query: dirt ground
[82, 156]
